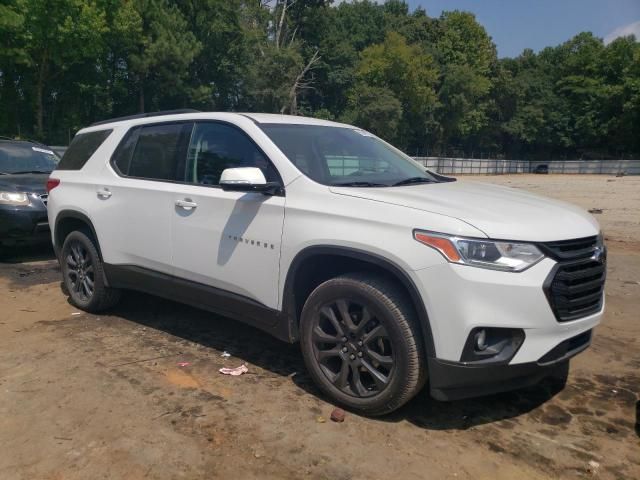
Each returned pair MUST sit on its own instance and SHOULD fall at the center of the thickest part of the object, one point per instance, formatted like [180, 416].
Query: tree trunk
[297, 85]
[42, 74]
[141, 98]
[39, 112]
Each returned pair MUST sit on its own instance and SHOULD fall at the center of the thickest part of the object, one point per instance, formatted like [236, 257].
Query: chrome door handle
[104, 193]
[186, 204]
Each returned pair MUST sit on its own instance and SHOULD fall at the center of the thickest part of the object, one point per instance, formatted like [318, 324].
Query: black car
[542, 168]
[24, 169]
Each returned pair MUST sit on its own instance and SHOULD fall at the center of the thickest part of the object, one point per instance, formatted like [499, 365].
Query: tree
[425, 83]
[57, 35]
[375, 109]
[408, 75]
[220, 64]
[160, 58]
[468, 59]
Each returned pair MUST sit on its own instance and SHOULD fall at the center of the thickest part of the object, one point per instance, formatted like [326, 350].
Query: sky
[518, 24]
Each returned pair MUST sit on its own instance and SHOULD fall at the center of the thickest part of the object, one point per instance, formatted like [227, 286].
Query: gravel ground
[90, 397]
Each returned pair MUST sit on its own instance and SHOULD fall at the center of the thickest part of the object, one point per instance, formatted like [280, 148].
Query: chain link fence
[466, 166]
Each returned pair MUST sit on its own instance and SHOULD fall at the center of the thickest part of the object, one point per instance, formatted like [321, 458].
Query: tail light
[52, 183]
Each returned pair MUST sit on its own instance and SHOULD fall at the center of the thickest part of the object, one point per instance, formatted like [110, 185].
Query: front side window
[344, 156]
[158, 151]
[215, 147]
[25, 157]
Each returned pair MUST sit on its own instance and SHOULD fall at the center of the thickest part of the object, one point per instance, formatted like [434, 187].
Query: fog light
[481, 340]
[492, 345]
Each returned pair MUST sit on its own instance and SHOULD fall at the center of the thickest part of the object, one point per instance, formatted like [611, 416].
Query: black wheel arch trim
[64, 214]
[289, 302]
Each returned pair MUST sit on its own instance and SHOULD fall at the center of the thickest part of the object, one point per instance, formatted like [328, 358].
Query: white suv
[388, 275]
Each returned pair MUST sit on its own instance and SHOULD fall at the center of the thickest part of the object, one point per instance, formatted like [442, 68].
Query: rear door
[136, 196]
[228, 240]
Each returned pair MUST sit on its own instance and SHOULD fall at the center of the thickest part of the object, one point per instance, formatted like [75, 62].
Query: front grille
[575, 287]
[44, 197]
[571, 249]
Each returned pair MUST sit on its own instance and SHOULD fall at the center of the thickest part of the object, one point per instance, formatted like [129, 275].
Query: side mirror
[247, 179]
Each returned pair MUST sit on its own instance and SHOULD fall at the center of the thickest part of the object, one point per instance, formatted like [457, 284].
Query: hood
[500, 212]
[25, 182]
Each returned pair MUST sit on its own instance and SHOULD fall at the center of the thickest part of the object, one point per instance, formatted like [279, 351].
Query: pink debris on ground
[234, 371]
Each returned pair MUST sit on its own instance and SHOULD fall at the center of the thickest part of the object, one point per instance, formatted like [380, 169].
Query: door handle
[104, 193]
[186, 204]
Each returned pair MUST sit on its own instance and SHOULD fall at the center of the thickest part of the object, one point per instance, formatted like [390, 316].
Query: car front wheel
[361, 343]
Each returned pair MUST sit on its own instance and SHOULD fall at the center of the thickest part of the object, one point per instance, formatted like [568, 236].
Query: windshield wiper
[29, 171]
[409, 181]
[359, 184]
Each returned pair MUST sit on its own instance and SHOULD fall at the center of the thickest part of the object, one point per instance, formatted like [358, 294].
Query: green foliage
[426, 84]
[375, 109]
[394, 82]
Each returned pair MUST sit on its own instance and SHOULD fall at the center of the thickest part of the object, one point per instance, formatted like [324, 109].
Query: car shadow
[26, 254]
[426, 412]
[259, 348]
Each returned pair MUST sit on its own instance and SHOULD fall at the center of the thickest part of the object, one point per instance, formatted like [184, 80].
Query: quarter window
[215, 147]
[82, 147]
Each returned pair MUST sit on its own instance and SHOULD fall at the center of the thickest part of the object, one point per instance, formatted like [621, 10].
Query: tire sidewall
[345, 288]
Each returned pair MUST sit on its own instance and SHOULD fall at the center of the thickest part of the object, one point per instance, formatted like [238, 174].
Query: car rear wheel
[361, 344]
[83, 274]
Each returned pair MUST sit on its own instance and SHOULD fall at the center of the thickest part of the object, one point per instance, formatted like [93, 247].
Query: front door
[227, 240]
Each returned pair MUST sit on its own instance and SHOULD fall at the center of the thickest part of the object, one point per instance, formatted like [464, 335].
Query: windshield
[27, 158]
[345, 156]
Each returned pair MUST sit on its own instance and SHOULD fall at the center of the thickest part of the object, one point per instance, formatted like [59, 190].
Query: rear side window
[82, 147]
[155, 152]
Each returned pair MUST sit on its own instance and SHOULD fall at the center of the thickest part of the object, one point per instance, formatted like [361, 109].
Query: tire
[381, 336]
[83, 274]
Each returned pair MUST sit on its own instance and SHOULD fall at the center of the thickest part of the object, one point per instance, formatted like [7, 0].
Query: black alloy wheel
[80, 271]
[353, 348]
[83, 274]
[361, 342]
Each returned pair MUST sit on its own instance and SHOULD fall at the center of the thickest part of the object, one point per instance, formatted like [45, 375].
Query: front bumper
[457, 380]
[23, 225]
[460, 298]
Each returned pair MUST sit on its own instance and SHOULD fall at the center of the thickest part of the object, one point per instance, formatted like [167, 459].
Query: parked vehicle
[59, 149]
[323, 234]
[24, 169]
[542, 168]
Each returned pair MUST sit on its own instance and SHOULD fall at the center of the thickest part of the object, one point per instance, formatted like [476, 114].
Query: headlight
[496, 255]
[14, 198]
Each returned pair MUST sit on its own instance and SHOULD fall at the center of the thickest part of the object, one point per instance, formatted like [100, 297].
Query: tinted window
[159, 151]
[215, 147]
[337, 155]
[122, 156]
[82, 147]
[26, 157]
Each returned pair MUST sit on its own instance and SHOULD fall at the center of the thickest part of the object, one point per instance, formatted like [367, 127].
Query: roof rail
[145, 115]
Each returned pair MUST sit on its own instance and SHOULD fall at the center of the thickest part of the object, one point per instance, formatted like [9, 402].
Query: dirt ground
[104, 397]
